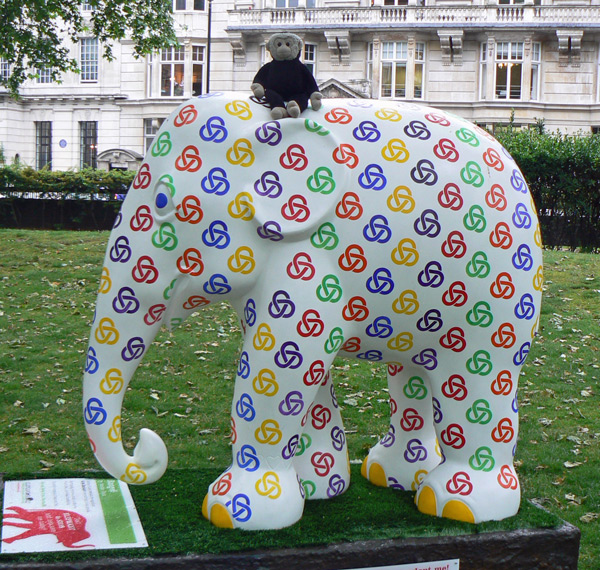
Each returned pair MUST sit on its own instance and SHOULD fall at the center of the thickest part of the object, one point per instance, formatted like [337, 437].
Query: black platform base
[552, 549]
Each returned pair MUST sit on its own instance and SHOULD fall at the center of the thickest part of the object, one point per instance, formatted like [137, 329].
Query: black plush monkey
[286, 79]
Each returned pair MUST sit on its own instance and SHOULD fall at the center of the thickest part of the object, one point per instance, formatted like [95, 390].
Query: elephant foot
[463, 494]
[254, 500]
[400, 465]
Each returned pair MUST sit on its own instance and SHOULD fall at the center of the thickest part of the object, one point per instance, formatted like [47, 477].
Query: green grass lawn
[48, 283]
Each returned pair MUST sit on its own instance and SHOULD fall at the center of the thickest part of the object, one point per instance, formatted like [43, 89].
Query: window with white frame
[179, 5]
[286, 3]
[310, 57]
[44, 75]
[536, 59]
[397, 68]
[197, 70]
[172, 71]
[199, 5]
[509, 70]
[88, 59]
[4, 69]
[510, 63]
[419, 66]
[483, 71]
[370, 52]
[88, 144]
[43, 144]
[151, 127]
[86, 6]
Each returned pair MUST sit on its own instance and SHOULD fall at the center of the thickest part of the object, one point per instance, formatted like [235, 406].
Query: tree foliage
[35, 35]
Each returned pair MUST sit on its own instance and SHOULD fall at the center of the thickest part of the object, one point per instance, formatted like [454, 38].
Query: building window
[199, 5]
[286, 3]
[395, 68]
[310, 57]
[483, 72]
[86, 6]
[88, 60]
[44, 75]
[43, 144]
[419, 65]
[151, 127]
[395, 2]
[172, 72]
[179, 5]
[197, 70]
[536, 58]
[509, 70]
[370, 52]
[88, 144]
[4, 69]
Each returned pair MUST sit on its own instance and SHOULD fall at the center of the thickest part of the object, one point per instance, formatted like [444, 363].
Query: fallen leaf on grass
[572, 464]
[589, 517]
[574, 499]
[46, 464]
[3, 449]
[33, 430]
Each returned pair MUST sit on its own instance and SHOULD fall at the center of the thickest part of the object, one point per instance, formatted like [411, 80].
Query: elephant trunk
[124, 326]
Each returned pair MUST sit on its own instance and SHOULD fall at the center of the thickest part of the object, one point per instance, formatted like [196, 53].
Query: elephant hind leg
[477, 434]
[408, 451]
[321, 458]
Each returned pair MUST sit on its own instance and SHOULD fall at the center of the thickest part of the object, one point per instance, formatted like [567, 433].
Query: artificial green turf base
[170, 511]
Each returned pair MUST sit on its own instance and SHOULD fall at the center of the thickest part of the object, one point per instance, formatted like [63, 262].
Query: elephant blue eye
[161, 200]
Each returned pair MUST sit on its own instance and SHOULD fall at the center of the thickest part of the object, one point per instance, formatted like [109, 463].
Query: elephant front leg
[274, 391]
[409, 450]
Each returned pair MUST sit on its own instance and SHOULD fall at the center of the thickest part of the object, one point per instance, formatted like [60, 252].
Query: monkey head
[284, 47]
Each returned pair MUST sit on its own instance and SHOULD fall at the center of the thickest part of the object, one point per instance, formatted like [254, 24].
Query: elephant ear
[295, 183]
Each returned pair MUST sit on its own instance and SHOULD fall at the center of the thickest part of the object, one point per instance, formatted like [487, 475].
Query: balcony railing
[386, 15]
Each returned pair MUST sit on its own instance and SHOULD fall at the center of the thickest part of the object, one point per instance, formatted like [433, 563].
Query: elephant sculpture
[378, 230]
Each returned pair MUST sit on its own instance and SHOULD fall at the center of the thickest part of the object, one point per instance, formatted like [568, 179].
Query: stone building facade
[486, 60]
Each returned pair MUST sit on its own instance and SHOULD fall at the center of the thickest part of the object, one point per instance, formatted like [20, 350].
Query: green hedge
[88, 183]
[563, 173]
[43, 199]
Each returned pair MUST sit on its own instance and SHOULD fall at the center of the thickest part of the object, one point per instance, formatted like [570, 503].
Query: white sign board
[67, 514]
[433, 565]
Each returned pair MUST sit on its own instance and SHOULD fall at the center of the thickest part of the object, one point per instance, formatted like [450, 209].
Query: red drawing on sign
[67, 526]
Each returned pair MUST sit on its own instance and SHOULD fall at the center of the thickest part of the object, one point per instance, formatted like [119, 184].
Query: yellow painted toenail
[219, 516]
[426, 502]
[458, 511]
[205, 507]
[377, 475]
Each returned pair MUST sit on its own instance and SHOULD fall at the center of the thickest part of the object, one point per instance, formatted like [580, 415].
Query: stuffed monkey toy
[286, 83]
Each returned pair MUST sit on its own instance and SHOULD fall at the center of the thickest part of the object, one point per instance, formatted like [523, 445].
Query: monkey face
[284, 46]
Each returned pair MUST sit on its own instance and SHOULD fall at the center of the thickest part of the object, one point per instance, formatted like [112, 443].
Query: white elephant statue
[377, 230]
